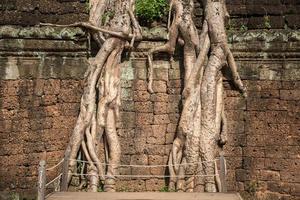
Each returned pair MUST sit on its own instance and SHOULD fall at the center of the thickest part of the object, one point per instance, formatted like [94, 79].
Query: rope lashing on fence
[131, 176]
[55, 166]
[55, 179]
[148, 166]
[145, 176]
[60, 184]
[145, 166]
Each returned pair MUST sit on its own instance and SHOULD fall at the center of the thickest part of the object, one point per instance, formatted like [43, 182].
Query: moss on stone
[69, 33]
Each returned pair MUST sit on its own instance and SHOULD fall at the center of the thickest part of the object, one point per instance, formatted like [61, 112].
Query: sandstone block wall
[245, 14]
[263, 148]
[32, 12]
[40, 90]
[41, 85]
[41, 81]
[258, 14]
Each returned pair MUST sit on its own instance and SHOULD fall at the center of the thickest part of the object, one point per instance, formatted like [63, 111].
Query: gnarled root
[100, 102]
[203, 126]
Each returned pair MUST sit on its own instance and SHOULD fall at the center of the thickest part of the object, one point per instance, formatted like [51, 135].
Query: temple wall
[41, 82]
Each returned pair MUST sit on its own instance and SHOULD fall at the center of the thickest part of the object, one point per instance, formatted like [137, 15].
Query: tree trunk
[202, 126]
[100, 102]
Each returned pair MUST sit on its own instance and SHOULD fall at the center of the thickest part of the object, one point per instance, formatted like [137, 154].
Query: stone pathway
[143, 196]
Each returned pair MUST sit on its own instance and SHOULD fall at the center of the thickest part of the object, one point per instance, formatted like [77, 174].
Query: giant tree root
[202, 125]
[100, 102]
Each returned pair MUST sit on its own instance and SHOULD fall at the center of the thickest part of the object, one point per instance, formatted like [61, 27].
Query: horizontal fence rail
[60, 182]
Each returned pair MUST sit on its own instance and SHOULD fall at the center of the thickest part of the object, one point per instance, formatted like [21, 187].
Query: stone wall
[40, 90]
[245, 14]
[41, 81]
[263, 148]
[41, 84]
[32, 12]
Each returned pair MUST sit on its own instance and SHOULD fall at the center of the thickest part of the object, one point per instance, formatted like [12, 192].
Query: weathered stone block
[234, 162]
[173, 107]
[157, 135]
[160, 74]
[237, 140]
[160, 108]
[292, 177]
[144, 119]
[174, 91]
[127, 106]
[171, 128]
[290, 94]
[141, 73]
[128, 119]
[141, 96]
[243, 175]
[236, 127]
[127, 71]
[126, 94]
[139, 160]
[232, 151]
[159, 86]
[275, 164]
[157, 160]
[255, 140]
[161, 119]
[235, 103]
[126, 83]
[130, 185]
[174, 118]
[128, 146]
[159, 97]
[170, 136]
[155, 184]
[174, 74]
[267, 175]
[144, 107]
[140, 85]
[175, 83]
[51, 87]
[153, 149]
[256, 152]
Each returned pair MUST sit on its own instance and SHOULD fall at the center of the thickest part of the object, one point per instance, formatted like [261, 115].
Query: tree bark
[202, 126]
[100, 102]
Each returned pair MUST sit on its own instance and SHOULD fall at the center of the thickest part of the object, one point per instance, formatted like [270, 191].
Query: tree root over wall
[100, 102]
[202, 127]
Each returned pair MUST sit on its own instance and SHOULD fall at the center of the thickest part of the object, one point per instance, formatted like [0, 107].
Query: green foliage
[123, 189]
[14, 196]
[230, 27]
[87, 5]
[267, 22]
[166, 189]
[243, 28]
[150, 10]
[107, 16]
[252, 187]
[100, 189]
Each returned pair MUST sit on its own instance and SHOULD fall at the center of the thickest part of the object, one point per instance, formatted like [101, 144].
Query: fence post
[223, 173]
[41, 180]
[64, 177]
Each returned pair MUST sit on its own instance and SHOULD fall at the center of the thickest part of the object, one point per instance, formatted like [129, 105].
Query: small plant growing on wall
[267, 22]
[252, 187]
[149, 11]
